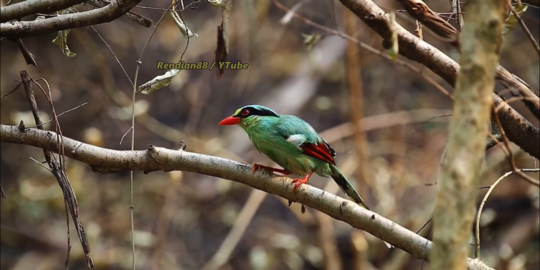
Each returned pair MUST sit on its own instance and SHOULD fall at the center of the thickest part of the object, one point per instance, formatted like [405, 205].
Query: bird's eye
[245, 112]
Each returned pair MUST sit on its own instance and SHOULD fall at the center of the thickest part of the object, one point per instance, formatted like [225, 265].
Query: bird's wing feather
[320, 151]
[300, 133]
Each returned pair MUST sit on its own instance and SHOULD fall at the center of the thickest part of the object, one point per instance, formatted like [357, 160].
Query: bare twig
[68, 111]
[125, 134]
[479, 213]
[41, 164]
[66, 262]
[113, 53]
[456, 10]
[132, 128]
[382, 121]
[526, 30]
[156, 158]
[57, 168]
[28, 56]
[10, 92]
[429, 120]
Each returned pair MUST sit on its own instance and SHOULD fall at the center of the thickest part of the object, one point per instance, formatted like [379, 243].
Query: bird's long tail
[346, 186]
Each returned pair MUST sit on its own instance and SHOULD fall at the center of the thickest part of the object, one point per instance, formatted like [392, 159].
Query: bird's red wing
[320, 151]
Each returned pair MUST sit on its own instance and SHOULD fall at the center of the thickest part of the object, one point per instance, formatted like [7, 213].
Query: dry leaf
[512, 21]
[393, 50]
[181, 25]
[158, 82]
[222, 50]
[61, 41]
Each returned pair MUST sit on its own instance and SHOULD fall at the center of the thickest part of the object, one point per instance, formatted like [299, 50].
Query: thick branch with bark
[156, 158]
[421, 12]
[114, 10]
[418, 50]
[29, 7]
[481, 43]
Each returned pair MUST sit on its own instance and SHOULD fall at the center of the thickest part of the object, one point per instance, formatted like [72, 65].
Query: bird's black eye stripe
[255, 111]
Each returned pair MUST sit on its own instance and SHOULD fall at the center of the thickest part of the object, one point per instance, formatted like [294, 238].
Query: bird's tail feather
[346, 186]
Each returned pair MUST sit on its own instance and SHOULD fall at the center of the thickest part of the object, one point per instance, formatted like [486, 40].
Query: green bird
[293, 144]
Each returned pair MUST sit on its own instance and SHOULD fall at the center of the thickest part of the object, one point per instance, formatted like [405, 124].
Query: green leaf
[158, 82]
[511, 21]
[311, 40]
[61, 41]
[183, 27]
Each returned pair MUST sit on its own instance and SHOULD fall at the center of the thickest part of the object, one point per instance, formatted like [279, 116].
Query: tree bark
[420, 51]
[481, 43]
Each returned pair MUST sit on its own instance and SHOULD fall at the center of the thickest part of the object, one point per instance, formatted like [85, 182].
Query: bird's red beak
[231, 120]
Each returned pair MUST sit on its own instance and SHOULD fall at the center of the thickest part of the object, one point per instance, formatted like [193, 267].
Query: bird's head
[249, 115]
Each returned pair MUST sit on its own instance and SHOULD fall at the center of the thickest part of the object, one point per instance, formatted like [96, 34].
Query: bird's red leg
[298, 182]
[259, 166]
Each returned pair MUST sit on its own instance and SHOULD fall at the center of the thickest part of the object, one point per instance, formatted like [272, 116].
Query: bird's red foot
[259, 166]
[298, 182]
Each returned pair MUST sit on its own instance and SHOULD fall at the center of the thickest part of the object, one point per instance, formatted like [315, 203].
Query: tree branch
[481, 44]
[156, 158]
[518, 129]
[421, 12]
[418, 50]
[29, 7]
[105, 14]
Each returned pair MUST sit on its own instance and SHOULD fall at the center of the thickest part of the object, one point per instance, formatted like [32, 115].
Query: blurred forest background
[182, 219]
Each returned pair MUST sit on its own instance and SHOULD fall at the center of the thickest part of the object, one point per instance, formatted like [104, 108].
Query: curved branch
[156, 158]
[518, 129]
[105, 14]
[29, 7]
[441, 64]
[421, 12]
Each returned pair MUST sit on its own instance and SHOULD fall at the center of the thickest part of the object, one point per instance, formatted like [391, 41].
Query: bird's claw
[298, 182]
[255, 167]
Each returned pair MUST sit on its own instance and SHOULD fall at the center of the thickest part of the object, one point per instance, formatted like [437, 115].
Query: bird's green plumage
[280, 136]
